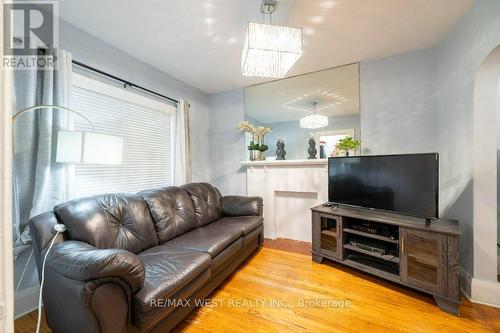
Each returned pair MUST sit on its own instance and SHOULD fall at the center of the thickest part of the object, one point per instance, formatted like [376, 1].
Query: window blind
[147, 134]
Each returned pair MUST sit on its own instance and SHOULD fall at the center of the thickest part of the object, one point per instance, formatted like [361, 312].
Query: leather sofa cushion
[211, 239]
[206, 201]
[172, 211]
[235, 205]
[226, 255]
[246, 224]
[109, 221]
[167, 272]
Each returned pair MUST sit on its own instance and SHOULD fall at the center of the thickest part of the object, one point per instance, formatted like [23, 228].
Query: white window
[331, 138]
[146, 126]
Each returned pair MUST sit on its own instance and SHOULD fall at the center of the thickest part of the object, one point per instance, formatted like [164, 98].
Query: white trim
[485, 292]
[323, 161]
[465, 282]
[478, 291]
[100, 87]
[484, 285]
[26, 301]
[6, 257]
[349, 131]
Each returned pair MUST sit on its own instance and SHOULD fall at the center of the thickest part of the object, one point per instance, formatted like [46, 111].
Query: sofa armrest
[233, 205]
[83, 262]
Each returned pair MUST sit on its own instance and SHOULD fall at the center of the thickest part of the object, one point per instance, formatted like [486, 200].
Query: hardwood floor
[268, 294]
[288, 245]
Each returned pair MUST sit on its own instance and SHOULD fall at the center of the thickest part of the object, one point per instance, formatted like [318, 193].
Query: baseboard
[485, 292]
[25, 301]
[478, 291]
[498, 263]
[465, 283]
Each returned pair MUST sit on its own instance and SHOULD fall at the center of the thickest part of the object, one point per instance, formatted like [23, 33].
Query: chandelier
[314, 120]
[270, 50]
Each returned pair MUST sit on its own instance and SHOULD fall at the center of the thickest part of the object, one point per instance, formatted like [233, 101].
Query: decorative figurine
[280, 149]
[322, 153]
[312, 148]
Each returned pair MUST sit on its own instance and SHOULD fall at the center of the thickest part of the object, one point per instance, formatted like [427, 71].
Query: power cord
[59, 228]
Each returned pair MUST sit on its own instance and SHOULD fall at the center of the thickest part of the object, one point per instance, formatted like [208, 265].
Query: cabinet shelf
[392, 276]
[421, 257]
[374, 236]
[332, 232]
[386, 257]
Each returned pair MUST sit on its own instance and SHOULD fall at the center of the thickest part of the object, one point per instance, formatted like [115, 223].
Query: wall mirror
[322, 104]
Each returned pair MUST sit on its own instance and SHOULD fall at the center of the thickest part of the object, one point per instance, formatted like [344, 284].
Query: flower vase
[262, 154]
[254, 155]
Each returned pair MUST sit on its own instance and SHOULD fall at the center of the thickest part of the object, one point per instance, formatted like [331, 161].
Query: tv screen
[406, 184]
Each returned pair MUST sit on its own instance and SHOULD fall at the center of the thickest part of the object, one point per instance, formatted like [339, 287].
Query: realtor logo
[30, 34]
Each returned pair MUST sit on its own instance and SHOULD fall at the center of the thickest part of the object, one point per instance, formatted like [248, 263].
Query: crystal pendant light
[270, 50]
[314, 120]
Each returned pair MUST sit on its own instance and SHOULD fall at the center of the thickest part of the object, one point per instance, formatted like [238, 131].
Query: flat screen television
[406, 184]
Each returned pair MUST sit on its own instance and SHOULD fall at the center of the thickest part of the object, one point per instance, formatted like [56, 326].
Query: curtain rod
[125, 82]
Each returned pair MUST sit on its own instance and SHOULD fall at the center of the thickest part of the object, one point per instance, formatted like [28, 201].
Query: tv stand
[405, 250]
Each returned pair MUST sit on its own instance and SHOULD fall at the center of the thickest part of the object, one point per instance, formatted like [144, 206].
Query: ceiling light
[270, 50]
[314, 120]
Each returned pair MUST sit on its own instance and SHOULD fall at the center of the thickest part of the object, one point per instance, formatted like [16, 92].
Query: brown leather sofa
[138, 262]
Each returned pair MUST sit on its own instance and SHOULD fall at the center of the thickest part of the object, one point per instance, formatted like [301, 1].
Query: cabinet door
[423, 259]
[326, 235]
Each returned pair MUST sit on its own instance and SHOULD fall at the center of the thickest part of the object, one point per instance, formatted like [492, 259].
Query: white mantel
[286, 162]
[289, 189]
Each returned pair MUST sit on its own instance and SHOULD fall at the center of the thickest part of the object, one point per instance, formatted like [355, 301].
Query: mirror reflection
[323, 106]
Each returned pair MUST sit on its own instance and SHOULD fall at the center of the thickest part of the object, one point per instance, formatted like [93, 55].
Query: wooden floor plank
[267, 294]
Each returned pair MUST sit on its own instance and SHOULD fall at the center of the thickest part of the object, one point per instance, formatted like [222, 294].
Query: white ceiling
[335, 90]
[200, 41]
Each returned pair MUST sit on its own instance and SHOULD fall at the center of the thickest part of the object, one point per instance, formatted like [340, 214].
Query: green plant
[348, 144]
[256, 146]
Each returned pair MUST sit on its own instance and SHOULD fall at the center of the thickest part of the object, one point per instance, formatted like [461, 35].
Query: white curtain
[182, 156]
[39, 182]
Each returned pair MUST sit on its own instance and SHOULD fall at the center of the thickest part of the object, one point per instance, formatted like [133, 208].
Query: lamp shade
[270, 50]
[88, 148]
[69, 147]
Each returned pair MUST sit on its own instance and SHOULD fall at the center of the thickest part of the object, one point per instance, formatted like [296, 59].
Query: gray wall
[458, 58]
[227, 142]
[397, 104]
[427, 96]
[94, 52]
[296, 138]
[422, 101]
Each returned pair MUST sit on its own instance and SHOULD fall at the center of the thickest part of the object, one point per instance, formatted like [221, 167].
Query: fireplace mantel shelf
[285, 162]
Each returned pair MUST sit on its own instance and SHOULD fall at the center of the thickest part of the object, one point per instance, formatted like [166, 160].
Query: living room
[250, 165]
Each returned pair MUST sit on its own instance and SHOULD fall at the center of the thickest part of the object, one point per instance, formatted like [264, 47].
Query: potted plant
[348, 144]
[260, 132]
[256, 147]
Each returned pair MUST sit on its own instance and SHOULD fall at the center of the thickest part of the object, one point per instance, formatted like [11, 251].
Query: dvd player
[370, 246]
